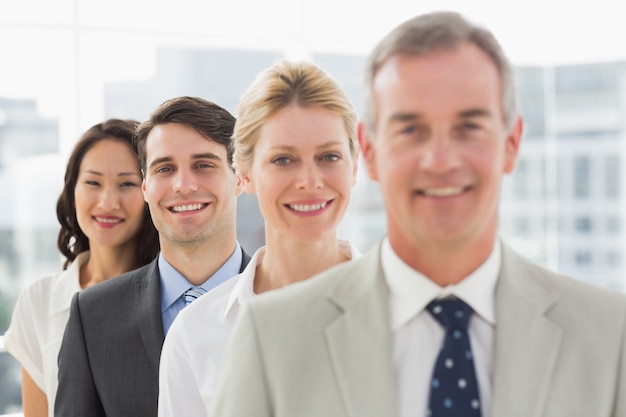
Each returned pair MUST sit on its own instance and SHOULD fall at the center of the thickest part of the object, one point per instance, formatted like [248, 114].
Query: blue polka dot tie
[454, 388]
[192, 294]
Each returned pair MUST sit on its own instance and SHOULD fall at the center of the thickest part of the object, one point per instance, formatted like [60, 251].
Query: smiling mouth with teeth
[108, 220]
[305, 208]
[187, 207]
[442, 192]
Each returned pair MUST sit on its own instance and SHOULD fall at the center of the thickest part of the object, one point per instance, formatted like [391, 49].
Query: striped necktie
[192, 294]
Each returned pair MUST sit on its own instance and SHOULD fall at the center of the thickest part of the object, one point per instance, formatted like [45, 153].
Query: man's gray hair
[434, 32]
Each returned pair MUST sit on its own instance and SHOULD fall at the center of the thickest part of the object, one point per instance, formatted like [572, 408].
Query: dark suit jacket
[109, 359]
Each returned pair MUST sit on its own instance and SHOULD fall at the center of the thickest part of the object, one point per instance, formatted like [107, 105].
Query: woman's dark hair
[72, 241]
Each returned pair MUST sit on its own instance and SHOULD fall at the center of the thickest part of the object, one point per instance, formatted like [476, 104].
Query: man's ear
[144, 186]
[512, 145]
[368, 151]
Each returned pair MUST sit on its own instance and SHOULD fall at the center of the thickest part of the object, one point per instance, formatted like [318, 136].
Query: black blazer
[109, 358]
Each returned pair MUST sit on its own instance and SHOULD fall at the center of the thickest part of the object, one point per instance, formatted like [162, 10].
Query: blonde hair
[285, 83]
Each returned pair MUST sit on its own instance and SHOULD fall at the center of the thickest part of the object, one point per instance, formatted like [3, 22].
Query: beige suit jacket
[323, 347]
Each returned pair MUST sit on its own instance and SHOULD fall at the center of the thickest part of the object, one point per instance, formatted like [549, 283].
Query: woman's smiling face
[302, 172]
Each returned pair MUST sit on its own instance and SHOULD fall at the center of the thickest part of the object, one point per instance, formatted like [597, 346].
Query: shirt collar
[174, 284]
[68, 283]
[411, 291]
[243, 289]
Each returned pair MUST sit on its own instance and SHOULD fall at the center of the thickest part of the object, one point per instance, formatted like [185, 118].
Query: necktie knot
[192, 294]
[451, 313]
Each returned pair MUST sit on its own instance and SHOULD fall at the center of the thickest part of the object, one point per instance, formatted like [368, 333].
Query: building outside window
[583, 225]
[583, 258]
[612, 179]
[78, 62]
[582, 177]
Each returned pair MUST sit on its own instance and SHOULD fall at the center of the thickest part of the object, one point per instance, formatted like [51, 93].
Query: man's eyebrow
[160, 160]
[207, 155]
[405, 117]
[474, 113]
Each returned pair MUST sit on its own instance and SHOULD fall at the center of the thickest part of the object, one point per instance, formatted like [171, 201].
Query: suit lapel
[149, 318]
[245, 258]
[148, 309]
[527, 341]
[359, 340]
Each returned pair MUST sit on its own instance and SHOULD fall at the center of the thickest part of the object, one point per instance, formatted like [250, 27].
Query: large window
[67, 64]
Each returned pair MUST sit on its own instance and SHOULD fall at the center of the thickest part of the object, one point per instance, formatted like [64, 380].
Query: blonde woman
[295, 148]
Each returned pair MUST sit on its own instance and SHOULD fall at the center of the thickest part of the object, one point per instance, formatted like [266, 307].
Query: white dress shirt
[417, 336]
[194, 346]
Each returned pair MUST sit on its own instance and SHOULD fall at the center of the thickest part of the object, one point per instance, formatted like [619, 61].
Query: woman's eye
[331, 157]
[282, 160]
[92, 182]
[129, 184]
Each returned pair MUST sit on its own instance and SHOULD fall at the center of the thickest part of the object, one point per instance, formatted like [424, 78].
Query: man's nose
[184, 182]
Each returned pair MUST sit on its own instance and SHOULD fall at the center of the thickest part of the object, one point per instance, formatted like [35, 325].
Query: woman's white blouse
[37, 325]
[194, 346]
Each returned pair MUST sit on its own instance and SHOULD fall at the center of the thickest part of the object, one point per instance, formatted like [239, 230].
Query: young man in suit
[441, 318]
[109, 359]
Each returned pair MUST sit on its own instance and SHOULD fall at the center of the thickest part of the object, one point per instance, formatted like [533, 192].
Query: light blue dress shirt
[174, 284]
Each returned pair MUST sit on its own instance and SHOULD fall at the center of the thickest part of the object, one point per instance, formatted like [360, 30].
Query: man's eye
[205, 165]
[163, 170]
[409, 130]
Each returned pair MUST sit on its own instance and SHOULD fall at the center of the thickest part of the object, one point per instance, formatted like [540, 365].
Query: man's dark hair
[208, 119]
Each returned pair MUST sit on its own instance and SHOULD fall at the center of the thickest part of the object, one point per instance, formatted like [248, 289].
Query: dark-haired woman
[106, 230]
